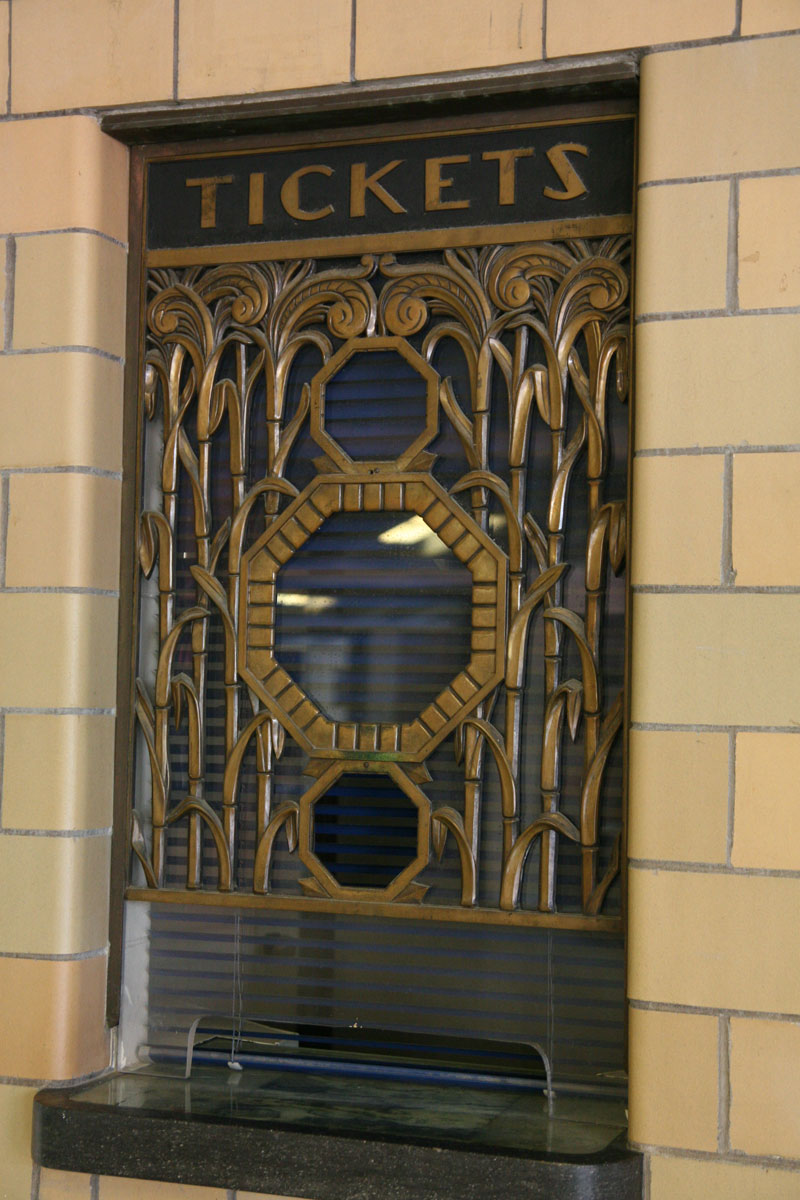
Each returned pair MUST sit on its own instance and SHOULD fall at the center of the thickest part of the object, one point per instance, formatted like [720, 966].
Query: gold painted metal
[573, 184]
[379, 243]
[361, 183]
[380, 489]
[208, 197]
[542, 324]
[401, 885]
[374, 345]
[519, 918]
[507, 170]
[436, 183]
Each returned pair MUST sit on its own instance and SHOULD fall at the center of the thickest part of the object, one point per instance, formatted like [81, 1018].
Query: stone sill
[159, 1137]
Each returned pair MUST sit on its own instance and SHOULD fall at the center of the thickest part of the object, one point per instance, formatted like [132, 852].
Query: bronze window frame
[128, 601]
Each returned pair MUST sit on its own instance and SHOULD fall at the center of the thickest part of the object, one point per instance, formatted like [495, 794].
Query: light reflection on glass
[413, 532]
[305, 601]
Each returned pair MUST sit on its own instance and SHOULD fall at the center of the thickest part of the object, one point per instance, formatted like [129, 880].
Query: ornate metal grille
[501, 448]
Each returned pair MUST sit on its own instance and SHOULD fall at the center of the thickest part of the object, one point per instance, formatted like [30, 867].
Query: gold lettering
[256, 209]
[435, 185]
[506, 171]
[208, 197]
[361, 183]
[290, 194]
[573, 184]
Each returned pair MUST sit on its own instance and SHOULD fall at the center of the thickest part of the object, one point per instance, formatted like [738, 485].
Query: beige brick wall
[715, 870]
[63, 225]
[716, 700]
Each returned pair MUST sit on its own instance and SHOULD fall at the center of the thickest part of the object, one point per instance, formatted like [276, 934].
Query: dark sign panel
[459, 180]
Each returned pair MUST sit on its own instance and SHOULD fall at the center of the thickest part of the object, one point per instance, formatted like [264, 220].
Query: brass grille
[515, 361]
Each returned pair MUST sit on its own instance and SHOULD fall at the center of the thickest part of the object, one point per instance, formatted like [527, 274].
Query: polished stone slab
[331, 1137]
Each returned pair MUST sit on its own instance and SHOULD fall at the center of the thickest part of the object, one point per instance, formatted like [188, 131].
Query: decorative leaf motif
[183, 685]
[447, 819]
[574, 705]
[600, 892]
[418, 291]
[195, 804]
[503, 360]
[244, 290]
[155, 541]
[521, 275]
[536, 540]
[590, 793]
[214, 590]
[461, 423]
[494, 484]
[515, 865]
[518, 633]
[177, 314]
[147, 544]
[167, 653]
[617, 535]
[230, 779]
[218, 544]
[341, 298]
[223, 395]
[289, 435]
[288, 814]
[508, 782]
[140, 850]
[558, 494]
[290, 826]
[565, 700]
[591, 683]
[177, 703]
[239, 523]
[520, 421]
[438, 836]
[586, 293]
[541, 384]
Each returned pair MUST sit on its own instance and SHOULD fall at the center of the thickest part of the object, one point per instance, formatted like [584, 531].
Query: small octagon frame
[336, 453]
[306, 831]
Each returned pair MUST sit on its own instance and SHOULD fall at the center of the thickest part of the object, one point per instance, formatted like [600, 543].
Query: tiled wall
[63, 219]
[715, 749]
[715, 875]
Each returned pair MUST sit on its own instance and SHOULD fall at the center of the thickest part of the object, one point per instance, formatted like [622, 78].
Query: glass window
[377, 813]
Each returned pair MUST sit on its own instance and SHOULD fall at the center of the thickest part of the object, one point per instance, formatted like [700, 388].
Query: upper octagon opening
[376, 402]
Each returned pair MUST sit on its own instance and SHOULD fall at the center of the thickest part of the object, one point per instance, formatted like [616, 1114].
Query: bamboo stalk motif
[542, 330]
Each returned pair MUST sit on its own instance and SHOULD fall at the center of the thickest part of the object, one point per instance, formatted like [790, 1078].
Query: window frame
[132, 472]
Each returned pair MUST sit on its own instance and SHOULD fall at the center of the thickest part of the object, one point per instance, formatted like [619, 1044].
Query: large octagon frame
[298, 713]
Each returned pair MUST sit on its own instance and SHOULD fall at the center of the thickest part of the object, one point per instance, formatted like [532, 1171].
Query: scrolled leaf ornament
[523, 275]
[343, 300]
[242, 294]
[418, 292]
[178, 314]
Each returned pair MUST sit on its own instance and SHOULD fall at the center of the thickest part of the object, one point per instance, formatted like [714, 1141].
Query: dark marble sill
[466, 1145]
